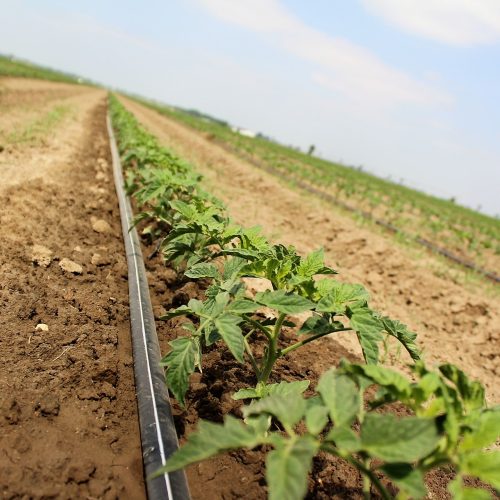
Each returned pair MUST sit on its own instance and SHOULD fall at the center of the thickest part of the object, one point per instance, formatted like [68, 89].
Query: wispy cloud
[455, 22]
[340, 65]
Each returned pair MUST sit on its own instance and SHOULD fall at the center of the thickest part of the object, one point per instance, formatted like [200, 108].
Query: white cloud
[342, 66]
[455, 22]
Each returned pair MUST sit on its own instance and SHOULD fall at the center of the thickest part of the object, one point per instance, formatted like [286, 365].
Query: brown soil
[294, 219]
[455, 323]
[68, 423]
[241, 474]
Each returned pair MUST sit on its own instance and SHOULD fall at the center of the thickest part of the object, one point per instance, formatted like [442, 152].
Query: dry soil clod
[70, 266]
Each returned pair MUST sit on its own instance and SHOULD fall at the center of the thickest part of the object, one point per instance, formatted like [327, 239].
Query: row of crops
[347, 414]
[468, 233]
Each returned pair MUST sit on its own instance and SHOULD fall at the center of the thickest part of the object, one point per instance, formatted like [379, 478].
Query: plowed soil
[68, 423]
[455, 323]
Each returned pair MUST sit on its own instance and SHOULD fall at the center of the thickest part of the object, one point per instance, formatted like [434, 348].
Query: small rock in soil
[41, 255]
[101, 226]
[70, 266]
[42, 327]
[48, 406]
[100, 260]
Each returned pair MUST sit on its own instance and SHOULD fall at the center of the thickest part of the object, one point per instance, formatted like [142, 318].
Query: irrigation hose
[158, 434]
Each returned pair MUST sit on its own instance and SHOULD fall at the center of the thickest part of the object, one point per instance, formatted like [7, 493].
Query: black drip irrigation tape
[366, 215]
[158, 434]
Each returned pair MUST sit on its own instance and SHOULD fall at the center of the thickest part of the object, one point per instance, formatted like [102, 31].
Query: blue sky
[410, 89]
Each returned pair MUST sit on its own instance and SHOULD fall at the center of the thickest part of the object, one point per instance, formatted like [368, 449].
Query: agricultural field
[470, 235]
[278, 315]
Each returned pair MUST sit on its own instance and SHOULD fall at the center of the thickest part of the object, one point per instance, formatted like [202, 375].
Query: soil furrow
[68, 422]
[455, 323]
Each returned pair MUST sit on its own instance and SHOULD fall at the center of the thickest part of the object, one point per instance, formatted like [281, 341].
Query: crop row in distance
[470, 234]
[448, 422]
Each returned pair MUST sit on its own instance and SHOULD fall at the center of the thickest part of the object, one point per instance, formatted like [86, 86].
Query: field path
[455, 323]
[68, 423]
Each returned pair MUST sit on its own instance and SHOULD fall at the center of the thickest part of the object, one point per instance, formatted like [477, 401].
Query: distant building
[244, 131]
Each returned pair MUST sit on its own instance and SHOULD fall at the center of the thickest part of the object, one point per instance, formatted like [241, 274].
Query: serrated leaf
[211, 439]
[484, 465]
[368, 329]
[283, 302]
[288, 410]
[400, 331]
[202, 270]
[341, 396]
[180, 363]
[180, 311]
[242, 306]
[318, 324]
[336, 296]
[228, 327]
[408, 479]
[471, 391]
[395, 439]
[288, 466]
[316, 419]
[311, 264]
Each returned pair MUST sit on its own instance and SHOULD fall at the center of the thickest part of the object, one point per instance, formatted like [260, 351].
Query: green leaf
[471, 391]
[287, 388]
[345, 439]
[288, 410]
[242, 306]
[400, 331]
[202, 270]
[486, 430]
[395, 439]
[384, 377]
[408, 479]
[316, 419]
[180, 362]
[227, 326]
[247, 393]
[318, 324]
[368, 329]
[484, 465]
[287, 467]
[180, 311]
[283, 302]
[211, 439]
[341, 396]
[336, 296]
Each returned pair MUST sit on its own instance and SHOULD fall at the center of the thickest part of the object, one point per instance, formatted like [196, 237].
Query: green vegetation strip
[449, 423]
[14, 67]
[416, 216]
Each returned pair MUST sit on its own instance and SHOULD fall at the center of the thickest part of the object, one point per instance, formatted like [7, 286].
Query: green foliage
[336, 421]
[11, 66]
[195, 234]
[445, 422]
[440, 221]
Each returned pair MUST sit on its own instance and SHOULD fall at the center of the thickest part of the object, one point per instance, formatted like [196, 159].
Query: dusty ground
[455, 323]
[68, 424]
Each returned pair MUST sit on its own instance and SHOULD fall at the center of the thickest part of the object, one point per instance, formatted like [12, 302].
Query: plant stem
[309, 339]
[258, 326]
[248, 350]
[362, 468]
[272, 351]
